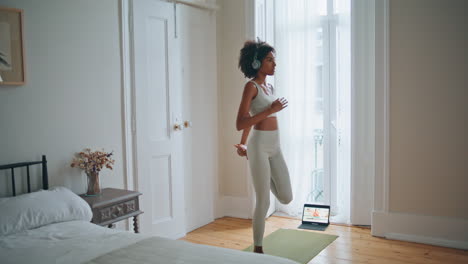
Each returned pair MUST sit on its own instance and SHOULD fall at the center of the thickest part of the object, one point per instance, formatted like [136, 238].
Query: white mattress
[81, 241]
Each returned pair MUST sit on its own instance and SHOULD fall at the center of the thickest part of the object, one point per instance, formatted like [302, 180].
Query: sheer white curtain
[296, 40]
[342, 9]
[313, 73]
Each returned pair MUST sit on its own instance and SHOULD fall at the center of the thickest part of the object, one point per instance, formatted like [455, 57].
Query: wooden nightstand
[114, 205]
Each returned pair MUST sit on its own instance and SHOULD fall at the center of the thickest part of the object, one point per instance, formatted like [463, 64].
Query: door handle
[187, 124]
[177, 127]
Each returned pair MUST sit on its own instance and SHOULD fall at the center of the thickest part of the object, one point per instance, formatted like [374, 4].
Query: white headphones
[256, 64]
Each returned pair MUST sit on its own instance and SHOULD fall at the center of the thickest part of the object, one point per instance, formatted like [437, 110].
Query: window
[312, 39]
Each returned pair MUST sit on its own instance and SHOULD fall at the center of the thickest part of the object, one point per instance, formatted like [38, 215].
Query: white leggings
[269, 171]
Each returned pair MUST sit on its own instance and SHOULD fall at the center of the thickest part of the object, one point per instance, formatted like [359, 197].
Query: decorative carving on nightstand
[105, 214]
[117, 210]
[130, 206]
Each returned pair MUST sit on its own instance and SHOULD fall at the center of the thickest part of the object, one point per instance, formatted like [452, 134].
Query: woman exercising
[258, 108]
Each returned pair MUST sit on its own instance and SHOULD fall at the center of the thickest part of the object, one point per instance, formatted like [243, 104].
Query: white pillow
[41, 208]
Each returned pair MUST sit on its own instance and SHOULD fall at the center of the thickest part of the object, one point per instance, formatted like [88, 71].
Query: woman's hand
[241, 150]
[279, 104]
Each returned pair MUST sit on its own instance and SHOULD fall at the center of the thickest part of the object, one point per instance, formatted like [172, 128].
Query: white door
[197, 42]
[159, 149]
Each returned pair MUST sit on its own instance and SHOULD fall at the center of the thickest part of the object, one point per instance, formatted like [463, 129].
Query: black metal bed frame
[45, 178]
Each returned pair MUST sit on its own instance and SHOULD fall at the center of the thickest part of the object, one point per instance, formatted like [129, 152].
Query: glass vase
[94, 187]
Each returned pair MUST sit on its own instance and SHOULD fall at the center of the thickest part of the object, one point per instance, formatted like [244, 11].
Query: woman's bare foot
[258, 249]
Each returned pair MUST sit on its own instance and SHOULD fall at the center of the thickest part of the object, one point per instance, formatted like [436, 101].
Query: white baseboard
[197, 224]
[178, 235]
[439, 231]
[232, 206]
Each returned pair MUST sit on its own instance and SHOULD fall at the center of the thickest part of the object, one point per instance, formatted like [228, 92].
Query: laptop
[315, 217]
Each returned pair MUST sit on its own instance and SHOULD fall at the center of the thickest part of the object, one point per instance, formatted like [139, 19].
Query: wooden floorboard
[353, 245]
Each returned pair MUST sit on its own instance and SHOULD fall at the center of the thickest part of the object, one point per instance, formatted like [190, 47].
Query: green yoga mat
[300, 246]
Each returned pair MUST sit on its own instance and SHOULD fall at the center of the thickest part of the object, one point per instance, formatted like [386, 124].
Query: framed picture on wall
[12, 68]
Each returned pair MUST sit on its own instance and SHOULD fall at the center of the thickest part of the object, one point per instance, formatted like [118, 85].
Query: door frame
[128, 86]
[128, 100]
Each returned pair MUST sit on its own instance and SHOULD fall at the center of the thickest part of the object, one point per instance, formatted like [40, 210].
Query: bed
[53, 226]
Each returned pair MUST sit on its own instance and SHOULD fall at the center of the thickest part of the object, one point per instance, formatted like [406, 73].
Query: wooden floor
[354, 244]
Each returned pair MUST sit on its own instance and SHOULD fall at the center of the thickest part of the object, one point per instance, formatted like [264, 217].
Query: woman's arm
[245, 135]
[241, 147]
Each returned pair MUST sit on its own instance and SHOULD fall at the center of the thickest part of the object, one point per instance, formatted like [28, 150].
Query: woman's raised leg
[280, 181]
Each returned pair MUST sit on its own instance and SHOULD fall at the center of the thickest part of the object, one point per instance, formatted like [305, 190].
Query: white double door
[174, 87]
[158, 114]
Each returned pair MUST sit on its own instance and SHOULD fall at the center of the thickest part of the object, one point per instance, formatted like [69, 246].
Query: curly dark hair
[247, 54]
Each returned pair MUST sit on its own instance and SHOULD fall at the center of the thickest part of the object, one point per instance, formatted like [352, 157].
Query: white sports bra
[262, 101]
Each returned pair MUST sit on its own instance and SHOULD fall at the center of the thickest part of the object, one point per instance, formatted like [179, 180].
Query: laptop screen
[316, 213]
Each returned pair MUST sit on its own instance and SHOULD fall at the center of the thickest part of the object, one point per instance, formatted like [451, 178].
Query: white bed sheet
[65, 242]
[81, 241]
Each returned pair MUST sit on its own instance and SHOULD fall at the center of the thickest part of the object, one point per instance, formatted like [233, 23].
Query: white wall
[233, 180]
[72, 98]
[428, 108]
[425, 195]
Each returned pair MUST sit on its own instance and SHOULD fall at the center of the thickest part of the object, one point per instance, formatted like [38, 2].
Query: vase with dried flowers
[92, 162]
